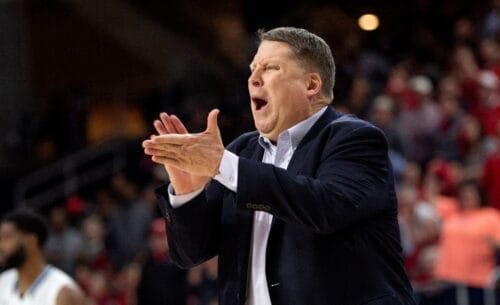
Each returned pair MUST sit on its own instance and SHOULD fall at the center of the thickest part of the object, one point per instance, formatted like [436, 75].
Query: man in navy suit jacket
[302, 211]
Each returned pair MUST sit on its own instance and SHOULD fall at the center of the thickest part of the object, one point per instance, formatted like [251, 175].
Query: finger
[164, 161]
[153, 151]
[150, 143]
[171, 152]
[173, 139]
[160, 128]
[147, 142]
[165, 118]
[178, 125]
[174, 151]
[212, 126]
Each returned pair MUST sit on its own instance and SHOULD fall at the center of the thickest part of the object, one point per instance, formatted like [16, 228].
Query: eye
[272, 67]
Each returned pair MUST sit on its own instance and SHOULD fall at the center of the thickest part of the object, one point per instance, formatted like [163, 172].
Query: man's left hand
[198, 153]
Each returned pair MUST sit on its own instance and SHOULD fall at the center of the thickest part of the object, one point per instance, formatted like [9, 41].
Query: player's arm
[71, 296]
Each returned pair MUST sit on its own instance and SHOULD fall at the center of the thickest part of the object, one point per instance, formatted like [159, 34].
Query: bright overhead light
[368, 22]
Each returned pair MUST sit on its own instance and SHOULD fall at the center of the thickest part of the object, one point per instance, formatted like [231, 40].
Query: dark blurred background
[82, 80]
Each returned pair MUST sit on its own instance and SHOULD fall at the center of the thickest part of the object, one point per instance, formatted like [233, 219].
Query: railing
[69, 175]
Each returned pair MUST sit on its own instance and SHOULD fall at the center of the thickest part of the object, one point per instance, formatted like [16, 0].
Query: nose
[255, 79]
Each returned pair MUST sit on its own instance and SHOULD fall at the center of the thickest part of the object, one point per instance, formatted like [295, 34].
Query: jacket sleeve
[193, 228]
[351, 183]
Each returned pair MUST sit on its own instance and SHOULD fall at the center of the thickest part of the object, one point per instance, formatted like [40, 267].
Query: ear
[314, 84]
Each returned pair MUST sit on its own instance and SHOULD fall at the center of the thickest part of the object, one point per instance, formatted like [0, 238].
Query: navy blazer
[334, 239]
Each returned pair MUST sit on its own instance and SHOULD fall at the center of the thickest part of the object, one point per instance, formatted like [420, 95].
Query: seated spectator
[469, 240]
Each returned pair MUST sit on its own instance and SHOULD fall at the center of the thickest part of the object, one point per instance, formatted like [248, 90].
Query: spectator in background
[432, 192]
[418, 116]
[468, 242]
[464, 32]
[424, 90]
[472, 147]
[412, 174]
[128, 224]
[104, 203]
[464, 69]
[487, 106]
[94, 253]
[491, 25]
[161, 283]
[491, 172]
[421, 121]
[202, 284]
[382, 116]
[490, 54]
[449, 128]
[399, 89]
[419, 225]
[64, 243]
[358, 97]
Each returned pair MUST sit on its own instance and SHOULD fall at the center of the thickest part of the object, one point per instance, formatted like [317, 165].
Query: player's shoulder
[58, 274]
[8, 275]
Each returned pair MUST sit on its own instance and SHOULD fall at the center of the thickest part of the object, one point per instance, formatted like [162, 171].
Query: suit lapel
[299, 156]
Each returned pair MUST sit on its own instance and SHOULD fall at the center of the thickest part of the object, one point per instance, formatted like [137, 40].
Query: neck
[317, 105]
[29, 271]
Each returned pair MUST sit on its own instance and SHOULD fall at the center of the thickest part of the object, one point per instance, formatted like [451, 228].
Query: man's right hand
[182, 181]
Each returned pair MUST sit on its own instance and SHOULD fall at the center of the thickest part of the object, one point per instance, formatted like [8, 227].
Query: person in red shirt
[487, 108]
[491, 174]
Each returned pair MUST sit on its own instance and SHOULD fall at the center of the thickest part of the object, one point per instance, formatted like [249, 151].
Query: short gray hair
[309, 48]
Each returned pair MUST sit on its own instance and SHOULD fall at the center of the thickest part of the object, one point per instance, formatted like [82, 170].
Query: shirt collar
[293, 135]
[36, 282]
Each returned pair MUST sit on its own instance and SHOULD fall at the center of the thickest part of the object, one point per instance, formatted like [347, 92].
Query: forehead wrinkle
[286, 52]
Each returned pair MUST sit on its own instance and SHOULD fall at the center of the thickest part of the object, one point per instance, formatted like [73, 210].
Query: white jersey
[43, 291]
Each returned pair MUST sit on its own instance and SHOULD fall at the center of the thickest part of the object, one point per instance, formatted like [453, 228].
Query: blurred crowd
[442, 121]
[114, 244]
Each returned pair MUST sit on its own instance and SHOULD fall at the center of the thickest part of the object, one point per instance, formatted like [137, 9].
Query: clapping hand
[191, 159]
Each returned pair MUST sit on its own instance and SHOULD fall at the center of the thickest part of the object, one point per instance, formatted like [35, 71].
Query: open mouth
[259, 103]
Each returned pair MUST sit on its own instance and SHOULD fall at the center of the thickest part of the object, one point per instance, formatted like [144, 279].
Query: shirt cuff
[179, 200]
[228, 171]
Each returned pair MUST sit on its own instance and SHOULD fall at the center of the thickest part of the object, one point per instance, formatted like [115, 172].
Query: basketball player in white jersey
[28, 279]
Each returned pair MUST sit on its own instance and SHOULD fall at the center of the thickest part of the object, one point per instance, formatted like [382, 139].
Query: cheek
[6, 247]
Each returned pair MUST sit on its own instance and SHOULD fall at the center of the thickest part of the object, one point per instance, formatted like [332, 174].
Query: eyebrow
[265, 60]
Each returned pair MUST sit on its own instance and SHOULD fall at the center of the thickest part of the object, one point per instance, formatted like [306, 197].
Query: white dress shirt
[280, 156]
